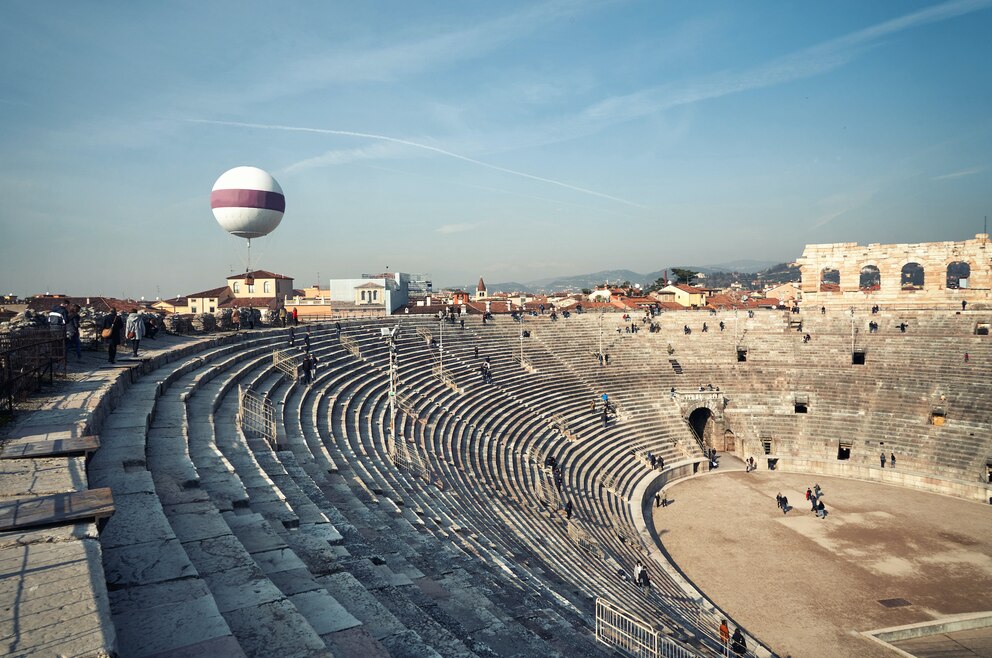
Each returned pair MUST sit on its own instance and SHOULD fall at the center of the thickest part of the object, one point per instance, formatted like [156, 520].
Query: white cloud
[960, 174]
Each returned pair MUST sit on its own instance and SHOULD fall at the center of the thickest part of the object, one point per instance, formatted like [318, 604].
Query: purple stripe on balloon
[248, 199]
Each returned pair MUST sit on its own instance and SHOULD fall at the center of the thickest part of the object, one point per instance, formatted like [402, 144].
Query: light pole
[393, 376]
[523, 310]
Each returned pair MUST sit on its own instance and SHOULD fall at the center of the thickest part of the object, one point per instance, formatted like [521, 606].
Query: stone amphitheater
[331, 539]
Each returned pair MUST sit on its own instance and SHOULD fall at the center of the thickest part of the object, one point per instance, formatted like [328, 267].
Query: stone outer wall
[849, 258]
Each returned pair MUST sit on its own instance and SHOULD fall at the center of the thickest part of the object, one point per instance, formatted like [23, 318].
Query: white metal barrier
[622, 630]
[351, 345]
[287, 362]
[256, 415]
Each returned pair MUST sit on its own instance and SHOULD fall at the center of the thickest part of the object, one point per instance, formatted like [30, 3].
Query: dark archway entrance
[701, 422]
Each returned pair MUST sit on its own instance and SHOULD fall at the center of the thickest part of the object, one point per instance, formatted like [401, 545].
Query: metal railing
[256, 416]
[288, 363]
[633, 636]
[351, 345]
[26, 359]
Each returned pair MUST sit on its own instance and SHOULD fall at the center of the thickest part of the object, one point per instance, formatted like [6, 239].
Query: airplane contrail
[426, 147]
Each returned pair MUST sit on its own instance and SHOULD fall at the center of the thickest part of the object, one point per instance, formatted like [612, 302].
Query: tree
[658, 284]
[586, 291]
[683, 275]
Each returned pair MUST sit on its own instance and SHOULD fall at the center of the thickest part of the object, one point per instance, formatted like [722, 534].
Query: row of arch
[912, 277]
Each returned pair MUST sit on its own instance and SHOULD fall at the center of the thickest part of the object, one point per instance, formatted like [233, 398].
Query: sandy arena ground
[807, 586]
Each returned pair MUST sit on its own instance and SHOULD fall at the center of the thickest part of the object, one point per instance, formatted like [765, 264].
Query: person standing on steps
[724, 635]
[568, 510]
[881, 459]
[892, 459]
[737, 643]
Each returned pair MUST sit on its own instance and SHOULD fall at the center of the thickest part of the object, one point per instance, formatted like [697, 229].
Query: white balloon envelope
[247, 202]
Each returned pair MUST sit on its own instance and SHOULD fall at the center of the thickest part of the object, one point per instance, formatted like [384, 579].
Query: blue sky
[511, 140]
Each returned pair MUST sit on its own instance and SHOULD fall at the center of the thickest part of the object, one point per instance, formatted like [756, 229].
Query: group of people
[735, 642]
[656, 461]
[486, 370]
[816, 505]
[286, 317]
[117, 329]
[69, 317]
[892, 459]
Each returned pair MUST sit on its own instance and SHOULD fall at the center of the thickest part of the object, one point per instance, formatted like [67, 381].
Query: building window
[266, 286]
[192, 309]
[211, 309]
[237, 286]
[251, 289]
[363, 295]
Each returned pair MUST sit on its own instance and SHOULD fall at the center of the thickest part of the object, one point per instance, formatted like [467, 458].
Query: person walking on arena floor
[785, 505]
[778, 499]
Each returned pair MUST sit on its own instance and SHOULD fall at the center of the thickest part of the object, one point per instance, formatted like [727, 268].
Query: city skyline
[516, 141]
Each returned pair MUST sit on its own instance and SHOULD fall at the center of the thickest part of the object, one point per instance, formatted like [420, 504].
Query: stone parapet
[849, 259]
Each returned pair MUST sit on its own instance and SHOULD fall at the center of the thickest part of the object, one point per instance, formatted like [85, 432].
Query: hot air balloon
[247, 202]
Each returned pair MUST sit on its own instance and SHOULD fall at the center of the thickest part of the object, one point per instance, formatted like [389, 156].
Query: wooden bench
[56, 509]
[79, 445]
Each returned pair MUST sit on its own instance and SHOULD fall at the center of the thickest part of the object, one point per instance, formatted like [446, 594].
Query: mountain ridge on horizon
[592, 279]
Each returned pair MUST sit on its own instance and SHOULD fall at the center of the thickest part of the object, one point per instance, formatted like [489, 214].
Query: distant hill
[750, 270]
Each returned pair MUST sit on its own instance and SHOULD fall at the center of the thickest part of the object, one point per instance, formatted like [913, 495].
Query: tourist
[657, 499]
[705, 328]
[778, 499]
[892, 459]
[477, 351]
[966, 357]
[652, 459]
[57, 316]
[964, 304]
[881, 459]
[113, 326]
[724, 634]
[151, 327]
[823, 310]
[568, 510]
[236, 319]
[306, 340]
[462, 323]
[135, 330]
[809, 498]
[737, 643]
[292, 336]
[721, 325]
[296, 316]
[72, 332]
[638, 569]
[785, 504]
[306, 369]
[820, 511]
[661, 463]
[282, 315]
[817, 490]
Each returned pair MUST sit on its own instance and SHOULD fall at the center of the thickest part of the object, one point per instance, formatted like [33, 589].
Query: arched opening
[871, 279]
[958, 274]
[912, 276]
[701, 422]
[829, 279]
[729, 441]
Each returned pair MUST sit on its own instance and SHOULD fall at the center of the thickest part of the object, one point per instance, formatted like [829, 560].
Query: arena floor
[807, 586]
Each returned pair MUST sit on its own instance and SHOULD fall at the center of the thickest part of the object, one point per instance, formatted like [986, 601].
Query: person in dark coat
[116, 326]
[737, 643]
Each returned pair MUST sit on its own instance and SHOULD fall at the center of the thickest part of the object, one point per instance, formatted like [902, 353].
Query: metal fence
[351, 345]
[27, 358]
[634, 637]
[288, 363]
[256, 415]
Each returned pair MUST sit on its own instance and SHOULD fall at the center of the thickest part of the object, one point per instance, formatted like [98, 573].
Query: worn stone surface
[150, 562]
[242, 587]
[54, 601]
[145, 631]
[137, 518]
[323, 612]
[362, 604]
[218, 554]
[37, 477]
[275, 629]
